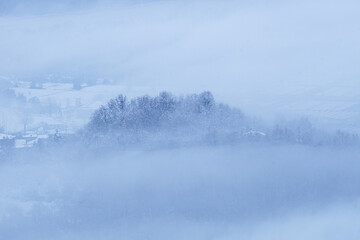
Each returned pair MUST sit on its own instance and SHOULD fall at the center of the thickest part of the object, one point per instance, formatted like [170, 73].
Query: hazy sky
[243, 51]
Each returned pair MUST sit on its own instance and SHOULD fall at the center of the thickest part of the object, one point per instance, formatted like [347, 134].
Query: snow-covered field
[76, 105]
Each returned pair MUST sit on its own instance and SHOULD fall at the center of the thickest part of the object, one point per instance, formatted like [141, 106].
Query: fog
[270, 59]
[255, 137]
[249, 191]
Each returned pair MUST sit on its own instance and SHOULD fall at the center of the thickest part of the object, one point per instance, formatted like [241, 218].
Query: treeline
[164, 111]
[195, 119]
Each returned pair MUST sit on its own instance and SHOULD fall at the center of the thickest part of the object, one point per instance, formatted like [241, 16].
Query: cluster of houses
[28, 140]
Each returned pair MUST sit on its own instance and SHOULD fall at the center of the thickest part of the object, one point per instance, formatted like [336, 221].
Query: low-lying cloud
[251, 191]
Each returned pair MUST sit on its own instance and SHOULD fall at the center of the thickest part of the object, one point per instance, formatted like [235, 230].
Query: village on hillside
[33, 113]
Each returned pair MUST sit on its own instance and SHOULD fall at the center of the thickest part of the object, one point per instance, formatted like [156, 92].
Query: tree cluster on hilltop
[164, 111]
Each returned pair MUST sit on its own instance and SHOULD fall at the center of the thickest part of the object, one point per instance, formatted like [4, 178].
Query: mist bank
[288, 57]
[195, 193]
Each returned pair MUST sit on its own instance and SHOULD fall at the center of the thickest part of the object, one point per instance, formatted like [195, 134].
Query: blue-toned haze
[236, 119]
[271, 59]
